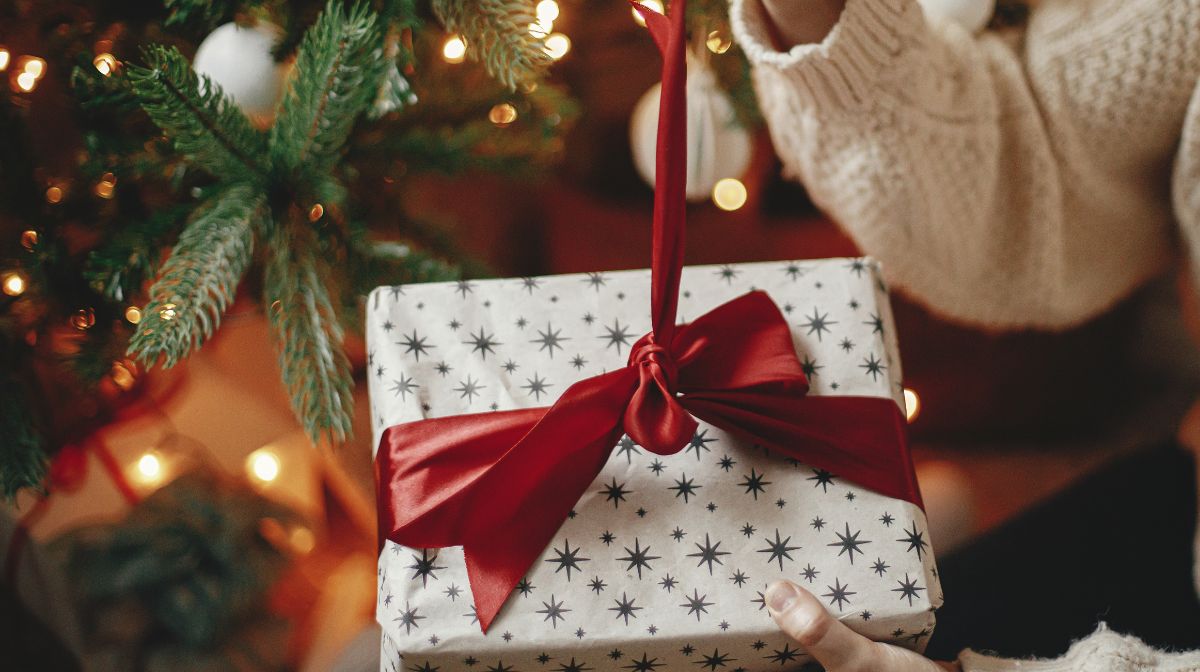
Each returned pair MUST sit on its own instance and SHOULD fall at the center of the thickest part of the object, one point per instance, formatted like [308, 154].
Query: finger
[803, 618]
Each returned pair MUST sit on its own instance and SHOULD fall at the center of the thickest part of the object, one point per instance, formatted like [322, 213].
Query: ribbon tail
[863, 436]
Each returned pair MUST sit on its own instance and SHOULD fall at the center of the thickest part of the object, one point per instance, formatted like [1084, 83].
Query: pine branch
[23, 461]
[205, 125]
[497, 34]
[199, 279]
[307, 335]
[339, 68]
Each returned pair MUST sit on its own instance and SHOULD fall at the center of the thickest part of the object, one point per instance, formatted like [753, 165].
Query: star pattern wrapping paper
[663, 563]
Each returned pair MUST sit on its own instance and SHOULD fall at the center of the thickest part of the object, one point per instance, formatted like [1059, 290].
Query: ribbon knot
[647, 353]
[655, 419]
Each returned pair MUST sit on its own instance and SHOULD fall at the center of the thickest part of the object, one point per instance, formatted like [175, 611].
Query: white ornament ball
[717, 145]
[239, 60]
[973, 15]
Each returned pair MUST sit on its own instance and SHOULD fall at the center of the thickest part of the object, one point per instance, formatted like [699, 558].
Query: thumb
[803, 618]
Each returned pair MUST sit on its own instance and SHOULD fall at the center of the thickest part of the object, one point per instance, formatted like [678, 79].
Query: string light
[26, 81]
[547, 11]
[107, 186]
[124, 374]
[133, 314]
[717, 42]
[54, 194]
[541, 28]
[655, 5]
[13, 283]
[302, 540]
[29, 239]
[34, 66]
[168, 312]
[263, 465]
[454, 50]
[557, 45]
[83, 319]
[105, 63]
[5, 57]
[729, 194]
[912, 404]
[316, 212]
[150, 468]
[502, 114]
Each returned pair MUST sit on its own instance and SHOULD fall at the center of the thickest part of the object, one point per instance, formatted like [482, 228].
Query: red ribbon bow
[500, 484]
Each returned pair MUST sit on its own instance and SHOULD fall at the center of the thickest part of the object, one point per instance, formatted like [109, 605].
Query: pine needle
[200, 278]
[497, 33]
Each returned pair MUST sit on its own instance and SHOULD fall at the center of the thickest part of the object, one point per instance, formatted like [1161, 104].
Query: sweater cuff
[842, 69]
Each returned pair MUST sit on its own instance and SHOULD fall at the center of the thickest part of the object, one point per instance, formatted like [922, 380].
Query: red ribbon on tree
[500, 484]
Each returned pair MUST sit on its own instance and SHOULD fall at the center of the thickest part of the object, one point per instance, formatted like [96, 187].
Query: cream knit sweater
[1023, 182]
[1026, 180]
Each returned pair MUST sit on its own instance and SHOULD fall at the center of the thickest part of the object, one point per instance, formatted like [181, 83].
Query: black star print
[678, 534]
[617, 335]
[403, 386]
[442, 368]
[839, 594]
[453, 592]
[554, 611]
[608, 537]
[761, 600]
[727, 273]
[817, 523]
[794, 271]
[739, 578]
[483, 343]
[550, 339]
[898, 632]
[426, 667]
[536, 386]
[823, 479]
[866, 615]
[686, 487]
[521, 322]
[424, 567]
[785, 655]
[408, 618]
[627, 447]
[850, 496]
[853, 304]
[616, 654]
[754, 483]
[625, 608]
[788, 308]
[810, 367]
[818, 324]
[726, 463]
[887, 519]
[712, 506]
[915, 540]
[578, 362]
[387, 601]
[595, 280]
[415, 345]
[873, 366]
[525, 587]
[567, 559]
[810, 573]
[880, 567]
[454, 325]
[641, 513]
[748, 530]
[638, 557]
[589, 318]
[579, 632]
[846, 344]
[778, 549]
[916, 636]
[708, 553]
[699, 441]
[696, 604]
[908, 589]
[646, 664]
[876, 324]
[388, 326]
[468, 389]
[510, 366]
[717, 659]
[668, 582]
[463, 287]
[857, 267]
[573, 666]
[758, 645]
[473, 615]
[597, 585]
[849, 543]
[530, 284]
[657, 466]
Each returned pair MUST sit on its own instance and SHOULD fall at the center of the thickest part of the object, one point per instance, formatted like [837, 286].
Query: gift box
[665, 558]
[606, 470]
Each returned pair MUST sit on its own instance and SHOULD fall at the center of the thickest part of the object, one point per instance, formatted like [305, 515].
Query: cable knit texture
[1009, 181]
[1104, 651]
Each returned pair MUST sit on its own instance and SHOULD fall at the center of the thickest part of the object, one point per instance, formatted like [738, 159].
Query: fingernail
[781, 596]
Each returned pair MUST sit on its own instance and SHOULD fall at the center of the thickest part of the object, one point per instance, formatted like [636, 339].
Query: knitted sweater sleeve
[1103, 651]
[926, 145]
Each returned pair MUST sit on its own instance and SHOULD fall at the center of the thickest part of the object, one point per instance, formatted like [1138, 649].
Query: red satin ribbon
[500, 484]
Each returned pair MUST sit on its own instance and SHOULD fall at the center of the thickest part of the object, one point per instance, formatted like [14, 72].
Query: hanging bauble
[239, 60]
[718, 146]
[973, 15]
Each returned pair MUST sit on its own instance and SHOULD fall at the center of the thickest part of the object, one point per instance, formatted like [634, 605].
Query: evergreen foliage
[497, 34]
